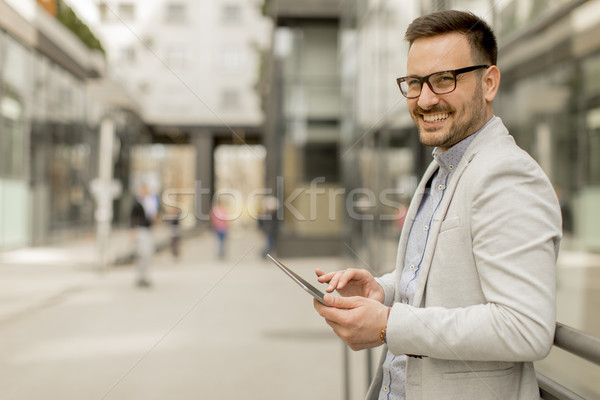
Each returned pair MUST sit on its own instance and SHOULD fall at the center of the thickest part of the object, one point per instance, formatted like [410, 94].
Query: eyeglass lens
[439, 83]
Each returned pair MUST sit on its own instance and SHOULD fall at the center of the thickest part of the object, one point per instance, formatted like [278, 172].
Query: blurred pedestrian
[219, 220]
[143, 214]
[174, 220]
[268, 223]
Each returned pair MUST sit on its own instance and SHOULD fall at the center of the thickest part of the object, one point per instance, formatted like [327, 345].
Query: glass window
[126, 55]
[231, 13]
[230, 99]
[513, 15]
[176, 12]
[591, 71]
[176, 56]
[16, 66]
[127, 11]
[232, 57]
[593, 146]
[321, 160]
[11, 137]
[104, 11]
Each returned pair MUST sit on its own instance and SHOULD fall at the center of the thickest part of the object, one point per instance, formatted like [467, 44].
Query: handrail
[575, 342]
[578, 343]
[551, 390]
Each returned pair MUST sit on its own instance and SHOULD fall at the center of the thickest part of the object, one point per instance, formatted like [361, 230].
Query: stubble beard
[458, 130]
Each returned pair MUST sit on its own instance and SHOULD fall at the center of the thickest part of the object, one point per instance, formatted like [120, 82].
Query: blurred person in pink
[219, 220]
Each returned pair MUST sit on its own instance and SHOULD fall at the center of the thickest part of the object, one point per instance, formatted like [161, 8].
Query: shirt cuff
[388, 292]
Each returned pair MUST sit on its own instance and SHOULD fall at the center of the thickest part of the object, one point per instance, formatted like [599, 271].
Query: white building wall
[187, 62]
[382, 54]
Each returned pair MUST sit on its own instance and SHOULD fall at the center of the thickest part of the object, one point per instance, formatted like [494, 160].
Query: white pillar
[104, 192]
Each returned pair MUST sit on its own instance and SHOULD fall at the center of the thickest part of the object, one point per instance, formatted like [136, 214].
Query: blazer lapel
[410, 218]
[439, 216]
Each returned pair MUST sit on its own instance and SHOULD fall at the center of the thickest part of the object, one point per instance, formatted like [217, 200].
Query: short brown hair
[478, 32]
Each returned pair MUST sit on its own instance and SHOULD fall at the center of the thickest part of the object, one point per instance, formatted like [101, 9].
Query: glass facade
[309, 130]
[549, 57]
[15, 95]
[48, 148]
[552, 111]
[381, 158]
[549, 98]
[552, 114]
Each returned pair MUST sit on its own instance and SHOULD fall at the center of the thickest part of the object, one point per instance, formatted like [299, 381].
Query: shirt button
[412, 267]
[426, 228]
[386, 389]
[450, 166]
[441, 187]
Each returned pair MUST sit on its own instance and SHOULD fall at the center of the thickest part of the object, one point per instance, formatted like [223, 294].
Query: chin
[432, 137]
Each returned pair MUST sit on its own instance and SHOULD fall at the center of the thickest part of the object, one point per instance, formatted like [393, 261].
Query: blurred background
[238, 102]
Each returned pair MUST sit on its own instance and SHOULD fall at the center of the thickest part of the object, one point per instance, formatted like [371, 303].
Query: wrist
[383, 331]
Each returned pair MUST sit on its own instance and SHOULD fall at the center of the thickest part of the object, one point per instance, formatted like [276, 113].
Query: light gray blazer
[484, 306]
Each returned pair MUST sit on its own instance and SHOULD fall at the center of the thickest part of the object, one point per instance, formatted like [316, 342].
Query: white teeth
[435, 117]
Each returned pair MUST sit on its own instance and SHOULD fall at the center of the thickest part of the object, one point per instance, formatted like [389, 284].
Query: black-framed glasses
[442, 82]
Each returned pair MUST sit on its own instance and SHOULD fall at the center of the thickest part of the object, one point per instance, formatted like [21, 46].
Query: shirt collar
[451, 157]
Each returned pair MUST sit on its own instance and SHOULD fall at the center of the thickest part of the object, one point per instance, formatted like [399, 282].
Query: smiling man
[471, 302]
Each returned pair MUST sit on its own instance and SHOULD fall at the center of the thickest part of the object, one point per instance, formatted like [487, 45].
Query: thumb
[346, 303]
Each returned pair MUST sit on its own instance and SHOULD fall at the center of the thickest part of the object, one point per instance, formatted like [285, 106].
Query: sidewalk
[82, 252]
[208, 327]
[35, 277]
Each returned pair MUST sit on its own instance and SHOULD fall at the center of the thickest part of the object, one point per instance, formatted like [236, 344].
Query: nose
[427, 98]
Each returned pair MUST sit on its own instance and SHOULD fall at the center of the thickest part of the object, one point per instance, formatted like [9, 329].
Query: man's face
[444, 120]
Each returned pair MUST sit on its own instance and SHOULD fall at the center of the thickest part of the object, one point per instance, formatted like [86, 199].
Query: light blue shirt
[394, 367]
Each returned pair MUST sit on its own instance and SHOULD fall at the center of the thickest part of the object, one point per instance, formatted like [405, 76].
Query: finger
[345, 303]
[346, 277]
[343, 277]
[317, 305]
[324, 277]
[331, 278]
[327, 311]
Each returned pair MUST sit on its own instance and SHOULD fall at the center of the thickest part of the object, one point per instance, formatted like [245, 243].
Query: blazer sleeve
[513, 219]
[388, 284]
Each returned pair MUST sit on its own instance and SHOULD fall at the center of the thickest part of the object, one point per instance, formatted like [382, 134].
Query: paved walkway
[34, 276]
[208, 328]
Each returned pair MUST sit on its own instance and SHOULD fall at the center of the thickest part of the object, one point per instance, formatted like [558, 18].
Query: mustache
[434, 110]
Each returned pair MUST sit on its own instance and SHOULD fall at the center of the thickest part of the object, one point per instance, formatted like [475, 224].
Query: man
[471, 303]
[143, 214]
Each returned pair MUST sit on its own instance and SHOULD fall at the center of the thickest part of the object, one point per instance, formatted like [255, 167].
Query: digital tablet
[316, 293]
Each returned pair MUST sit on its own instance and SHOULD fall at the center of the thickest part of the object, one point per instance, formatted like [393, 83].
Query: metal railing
[577, 343]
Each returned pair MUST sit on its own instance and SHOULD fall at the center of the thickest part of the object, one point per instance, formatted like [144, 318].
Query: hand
[358, 321]
[352, 282]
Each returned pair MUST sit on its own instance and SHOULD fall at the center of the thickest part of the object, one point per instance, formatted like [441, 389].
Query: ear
[491, 82]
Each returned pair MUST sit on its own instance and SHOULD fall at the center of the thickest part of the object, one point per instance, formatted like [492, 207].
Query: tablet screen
[317, 294]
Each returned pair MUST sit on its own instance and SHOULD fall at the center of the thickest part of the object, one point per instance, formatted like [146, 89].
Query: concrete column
[202, 139]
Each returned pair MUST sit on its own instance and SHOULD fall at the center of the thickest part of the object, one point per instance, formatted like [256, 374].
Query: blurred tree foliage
[68, 18]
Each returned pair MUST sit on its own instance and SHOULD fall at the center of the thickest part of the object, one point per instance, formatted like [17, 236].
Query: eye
[442, 80]
[442, 77]
[412, 81]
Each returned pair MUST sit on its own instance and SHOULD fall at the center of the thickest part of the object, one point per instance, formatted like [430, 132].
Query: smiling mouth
[435, 117]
